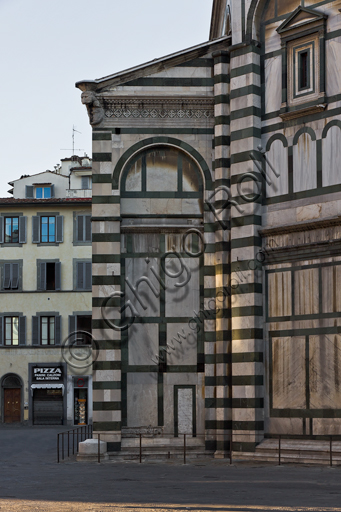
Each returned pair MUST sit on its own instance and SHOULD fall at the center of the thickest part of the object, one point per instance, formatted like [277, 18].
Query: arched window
[162, 169]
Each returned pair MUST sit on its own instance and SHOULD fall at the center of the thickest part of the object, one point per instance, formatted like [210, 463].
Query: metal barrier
[86, 432]
[81, 433]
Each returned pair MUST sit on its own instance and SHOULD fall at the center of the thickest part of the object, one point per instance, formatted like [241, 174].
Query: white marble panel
[288, 373]
[333, 70]
[182, 345]
[306, 291]
[185, 411]
[324, 371]
[331, 290]
[143, 344]
[304, 156]
[141, 399]
[182, 290]
[146, 288]
[279, 294]
[277, 170]
[331, 157]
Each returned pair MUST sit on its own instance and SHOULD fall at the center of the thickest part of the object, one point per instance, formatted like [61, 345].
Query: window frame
[86, 221]
[11, 317]
[5, 229]
[48, 241]
[18, 275]
[49, 322]
[42, 188]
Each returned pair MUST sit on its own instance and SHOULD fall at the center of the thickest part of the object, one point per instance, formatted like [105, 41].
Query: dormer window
[39, 191]
[43, 192]
[303, 63]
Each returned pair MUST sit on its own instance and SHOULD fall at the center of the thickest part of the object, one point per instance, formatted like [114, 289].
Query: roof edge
[92, 85]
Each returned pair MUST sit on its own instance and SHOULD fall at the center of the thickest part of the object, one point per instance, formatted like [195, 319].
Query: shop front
[47, 396]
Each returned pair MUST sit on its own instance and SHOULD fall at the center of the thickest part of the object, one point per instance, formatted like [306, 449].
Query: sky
[48, 45]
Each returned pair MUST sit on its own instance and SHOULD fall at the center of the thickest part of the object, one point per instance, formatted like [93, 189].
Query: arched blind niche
[162, 173]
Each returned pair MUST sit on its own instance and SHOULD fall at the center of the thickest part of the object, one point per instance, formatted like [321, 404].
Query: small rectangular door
[12, 401]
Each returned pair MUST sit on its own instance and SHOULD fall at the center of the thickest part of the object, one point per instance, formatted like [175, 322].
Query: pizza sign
[48, 373]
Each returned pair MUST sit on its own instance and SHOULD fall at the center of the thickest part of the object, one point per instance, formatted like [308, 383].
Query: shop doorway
[11, 387]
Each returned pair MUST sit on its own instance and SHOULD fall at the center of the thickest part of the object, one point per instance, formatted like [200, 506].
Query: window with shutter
[87, 228]
[59, 229]
[1, 330]
[29, 192]
[35, 230]
[15, 276]
[35, 330]
[22, 230]
[11, 276]
[83, 228]
[80, 275]
[7, 276]
[1, 230]
[22, 330]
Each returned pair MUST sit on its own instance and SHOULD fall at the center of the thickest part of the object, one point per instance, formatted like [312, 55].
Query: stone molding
[158, 108]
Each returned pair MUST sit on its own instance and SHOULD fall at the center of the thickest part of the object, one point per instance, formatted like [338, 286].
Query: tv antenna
[73, 141]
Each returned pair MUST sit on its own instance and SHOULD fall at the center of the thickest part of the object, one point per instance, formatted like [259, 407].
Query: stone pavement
[31, 480]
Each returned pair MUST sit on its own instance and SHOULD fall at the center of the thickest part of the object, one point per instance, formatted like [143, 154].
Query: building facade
[45, 267]
[216, 232]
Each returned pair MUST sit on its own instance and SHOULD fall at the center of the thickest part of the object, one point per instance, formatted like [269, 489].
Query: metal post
[331, 451]
[73, 441]
[140, 447]
[279, 450]
[99, 448]
[231, 448]
[58, 448]
[184, 448]
[77, 441]
[68, 443]
[63, 445]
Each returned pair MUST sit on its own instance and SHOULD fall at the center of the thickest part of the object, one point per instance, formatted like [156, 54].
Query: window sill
[294, 114]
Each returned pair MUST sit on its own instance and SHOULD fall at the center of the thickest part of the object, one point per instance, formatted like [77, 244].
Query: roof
[37, 174]
[154, 66]
[64, 201]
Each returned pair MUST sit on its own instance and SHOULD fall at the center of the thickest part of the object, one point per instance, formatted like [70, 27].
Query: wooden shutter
[1, 230]
[42, 277]
[29, 192]
[57, 326]
[80, 275]
[72, 323]
[35, 330]
[58, 276]
[22, 230]
[15, 276]
[1, 330]
[85, 182]
[59, 229]
[88, 276]
[80, 228]
[35, 230]
[7, 276]
[52, 190]
[87, 228]
[22, 330]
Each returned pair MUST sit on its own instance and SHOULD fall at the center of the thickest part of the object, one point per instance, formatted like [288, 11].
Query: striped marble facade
[270, 200]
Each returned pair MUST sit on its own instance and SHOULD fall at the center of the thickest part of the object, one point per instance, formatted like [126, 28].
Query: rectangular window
[47, 330]
[49, 275]
[83, 228]
[304, 74]
[10, 276]
[43, 192]
[11, 230]
[47, 229]
[83, 275]
[86, 182]
[11, 330]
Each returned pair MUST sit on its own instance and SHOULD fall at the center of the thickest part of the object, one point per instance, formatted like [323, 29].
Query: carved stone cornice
[153, 108]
